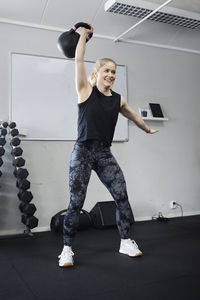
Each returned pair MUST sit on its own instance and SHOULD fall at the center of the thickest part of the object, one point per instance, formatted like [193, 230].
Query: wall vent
[139, 9]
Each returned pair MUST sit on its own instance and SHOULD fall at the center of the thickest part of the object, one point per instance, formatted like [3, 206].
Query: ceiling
[65, 13]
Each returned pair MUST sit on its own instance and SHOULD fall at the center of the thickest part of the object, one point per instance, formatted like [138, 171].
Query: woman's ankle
[66, 247]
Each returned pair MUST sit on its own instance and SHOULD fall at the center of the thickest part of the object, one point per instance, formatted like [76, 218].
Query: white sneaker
[129, 247]
[66, 257]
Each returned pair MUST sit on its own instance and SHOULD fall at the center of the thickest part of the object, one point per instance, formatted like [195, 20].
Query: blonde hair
[99, 63]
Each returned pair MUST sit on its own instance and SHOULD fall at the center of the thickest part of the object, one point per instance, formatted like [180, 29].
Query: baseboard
[41, 229]
[21, 231]
[11, 232]
[137, 219]
[171, 215]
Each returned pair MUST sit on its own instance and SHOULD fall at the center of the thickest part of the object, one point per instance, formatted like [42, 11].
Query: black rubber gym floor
[169, 268]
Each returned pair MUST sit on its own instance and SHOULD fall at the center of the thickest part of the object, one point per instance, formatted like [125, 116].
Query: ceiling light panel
[139, 9]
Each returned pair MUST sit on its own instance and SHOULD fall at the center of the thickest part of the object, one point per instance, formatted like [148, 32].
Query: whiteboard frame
[22, 133]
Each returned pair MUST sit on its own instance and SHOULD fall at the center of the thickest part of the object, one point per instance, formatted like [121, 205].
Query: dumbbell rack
[3, 133]
[22, 183]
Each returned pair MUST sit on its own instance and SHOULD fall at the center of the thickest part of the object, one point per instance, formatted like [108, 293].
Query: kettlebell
[68, 40]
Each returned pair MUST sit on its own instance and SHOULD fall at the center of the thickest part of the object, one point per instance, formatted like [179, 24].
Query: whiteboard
[44, 99]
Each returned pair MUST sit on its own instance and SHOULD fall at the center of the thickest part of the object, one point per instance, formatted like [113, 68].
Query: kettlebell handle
[85, 25]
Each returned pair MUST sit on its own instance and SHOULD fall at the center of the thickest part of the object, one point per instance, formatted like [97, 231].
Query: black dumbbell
[23, 184]
[21, 173]
[3, 131]
[14, 132]
[25, 196]
[18, 162]
[27, 209]
[2, 151]
[0, 173]
[5, 124]
[12, 125]
[2, 141]
[1, 161]
[17, 151]
[29, 221]
[15, 141]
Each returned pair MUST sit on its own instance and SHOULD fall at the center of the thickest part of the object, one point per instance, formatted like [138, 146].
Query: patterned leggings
[95, 155]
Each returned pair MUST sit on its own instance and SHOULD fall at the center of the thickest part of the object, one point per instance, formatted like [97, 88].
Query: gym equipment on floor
[23, 184]
[30, 221]
[25, 196]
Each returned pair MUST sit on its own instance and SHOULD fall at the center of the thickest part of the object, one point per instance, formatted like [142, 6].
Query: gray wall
[158, 168]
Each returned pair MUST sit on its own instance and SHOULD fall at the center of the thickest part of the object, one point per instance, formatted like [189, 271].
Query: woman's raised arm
[80, 71]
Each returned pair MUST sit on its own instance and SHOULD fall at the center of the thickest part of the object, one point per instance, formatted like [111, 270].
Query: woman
[98, 109]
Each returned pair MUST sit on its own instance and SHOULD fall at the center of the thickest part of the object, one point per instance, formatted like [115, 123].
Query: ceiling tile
[22, 10]
[65, 13]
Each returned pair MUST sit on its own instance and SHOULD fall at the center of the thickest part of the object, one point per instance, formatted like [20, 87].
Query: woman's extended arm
[82, 83]
[130, 114]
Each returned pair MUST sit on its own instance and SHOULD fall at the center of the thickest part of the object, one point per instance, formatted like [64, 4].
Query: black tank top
[97, 117]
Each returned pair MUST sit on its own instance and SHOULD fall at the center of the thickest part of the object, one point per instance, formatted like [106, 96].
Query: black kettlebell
[68, 40]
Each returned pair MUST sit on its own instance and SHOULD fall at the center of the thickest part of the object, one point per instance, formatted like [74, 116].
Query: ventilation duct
[140, 8]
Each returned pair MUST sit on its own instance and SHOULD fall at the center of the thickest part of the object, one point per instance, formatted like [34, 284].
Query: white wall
[158, 168]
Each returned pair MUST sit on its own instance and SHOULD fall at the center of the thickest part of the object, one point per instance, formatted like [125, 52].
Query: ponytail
[92, 79]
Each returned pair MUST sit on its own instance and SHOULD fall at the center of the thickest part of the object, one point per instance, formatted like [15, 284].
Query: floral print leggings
[94, 155]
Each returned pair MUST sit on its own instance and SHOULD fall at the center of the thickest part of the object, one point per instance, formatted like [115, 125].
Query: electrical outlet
[173, 204]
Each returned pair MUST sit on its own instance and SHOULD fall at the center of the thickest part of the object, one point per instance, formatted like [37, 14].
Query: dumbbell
[12, 125]
[14, 132]
[3, 131]
[25, 196]
[27, 209]
[5, 124]
[18, 162]
[21, 173]
[0, 173]
[17, 151]
[2, 151]
[2, 141]
[15, 141]
[1, 161]
[29, 221]
[23, 184]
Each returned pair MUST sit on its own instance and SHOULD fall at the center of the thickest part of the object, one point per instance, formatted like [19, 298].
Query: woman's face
[106, 74]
